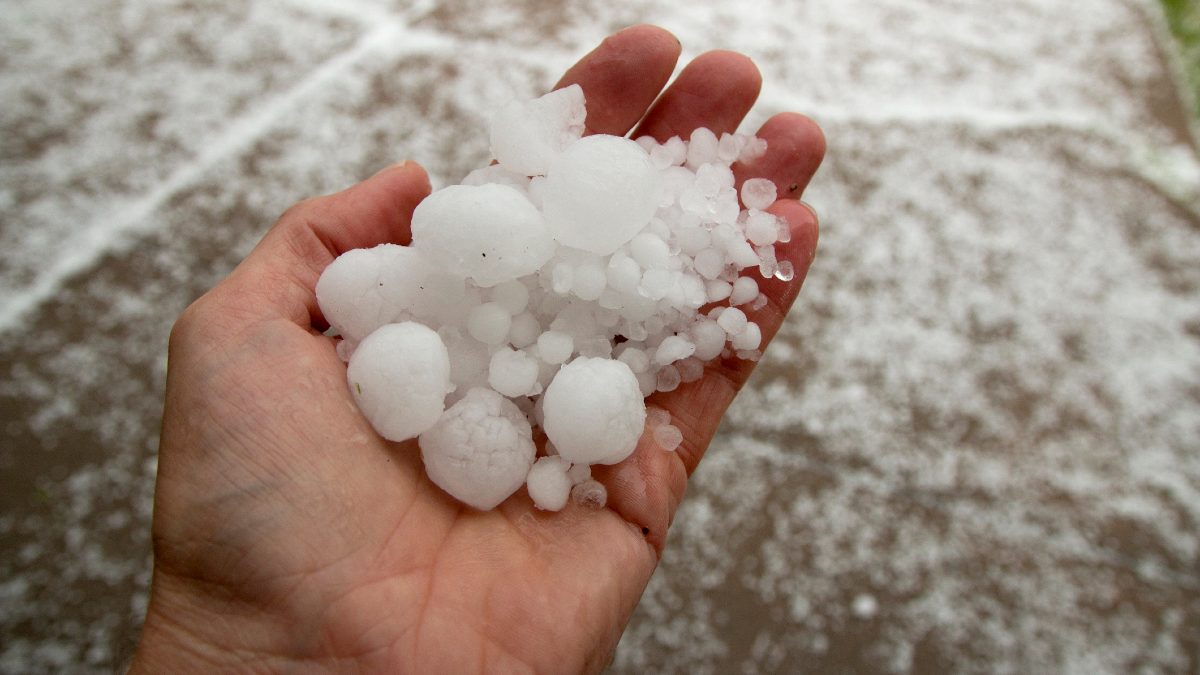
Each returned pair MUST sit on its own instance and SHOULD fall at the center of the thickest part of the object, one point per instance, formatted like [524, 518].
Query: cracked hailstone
[594, 411]
[480, 451]
[527, 135]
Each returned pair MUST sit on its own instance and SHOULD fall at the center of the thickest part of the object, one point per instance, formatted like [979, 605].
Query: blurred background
[975, 447]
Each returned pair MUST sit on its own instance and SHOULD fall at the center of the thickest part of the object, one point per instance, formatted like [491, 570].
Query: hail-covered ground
[972, 448]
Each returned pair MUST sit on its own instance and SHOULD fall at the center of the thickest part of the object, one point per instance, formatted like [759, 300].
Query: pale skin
[288, 536]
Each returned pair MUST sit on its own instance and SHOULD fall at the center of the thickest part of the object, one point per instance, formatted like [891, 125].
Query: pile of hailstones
[557, 287]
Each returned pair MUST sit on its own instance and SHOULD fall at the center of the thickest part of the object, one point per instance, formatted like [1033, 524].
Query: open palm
[289, 535]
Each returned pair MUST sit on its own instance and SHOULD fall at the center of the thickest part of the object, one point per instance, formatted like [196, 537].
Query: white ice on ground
[399, 376]
[865, 606]
[480, 451]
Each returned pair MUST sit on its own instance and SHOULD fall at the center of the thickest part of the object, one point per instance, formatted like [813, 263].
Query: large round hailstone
[364, 289]
[399, 377]
[527, 135]
[480, 450]
[594, 411]
[489, 233]
[600, 192]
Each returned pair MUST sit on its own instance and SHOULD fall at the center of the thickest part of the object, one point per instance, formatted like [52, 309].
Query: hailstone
[480, 451]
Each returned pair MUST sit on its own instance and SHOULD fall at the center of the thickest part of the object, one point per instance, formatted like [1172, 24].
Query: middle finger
[715, 90]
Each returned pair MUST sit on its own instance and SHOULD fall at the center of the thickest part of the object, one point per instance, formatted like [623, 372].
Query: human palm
[289, 535]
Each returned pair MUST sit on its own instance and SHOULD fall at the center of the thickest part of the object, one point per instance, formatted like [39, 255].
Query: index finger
[622, 77]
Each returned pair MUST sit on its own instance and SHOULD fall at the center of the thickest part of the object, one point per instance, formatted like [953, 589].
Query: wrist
[184, 632]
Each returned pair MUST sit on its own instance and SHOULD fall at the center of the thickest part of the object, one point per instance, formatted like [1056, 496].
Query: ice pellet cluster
[556, 289]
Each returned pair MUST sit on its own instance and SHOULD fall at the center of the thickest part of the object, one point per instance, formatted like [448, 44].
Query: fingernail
[811, 210]
[392, 167]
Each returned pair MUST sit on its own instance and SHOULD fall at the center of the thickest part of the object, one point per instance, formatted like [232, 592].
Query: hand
[288, 535]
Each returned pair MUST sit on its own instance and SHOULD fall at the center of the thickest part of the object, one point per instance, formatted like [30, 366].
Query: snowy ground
[975, 447]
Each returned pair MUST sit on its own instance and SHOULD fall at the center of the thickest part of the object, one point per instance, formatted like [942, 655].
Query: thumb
[279, 277]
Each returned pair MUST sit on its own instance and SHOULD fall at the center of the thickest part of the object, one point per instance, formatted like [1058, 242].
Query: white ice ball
[489, 323]
[512, 372]
[709, 263]
[366, 288]
[399, 377]
[748, 339]
[525, 330]
[555, 346]
[635, 358]
[511, 295]
[480, 450]
[762, 228]
[469, 359]
[745, 290]
[549, 483]
[673, 348]
[703, 148]
[589, 494]
[594, 412]
[709, 338]
[600, 192]
[488, 233]
[758, 193]
[717, 290]
[732, 321]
